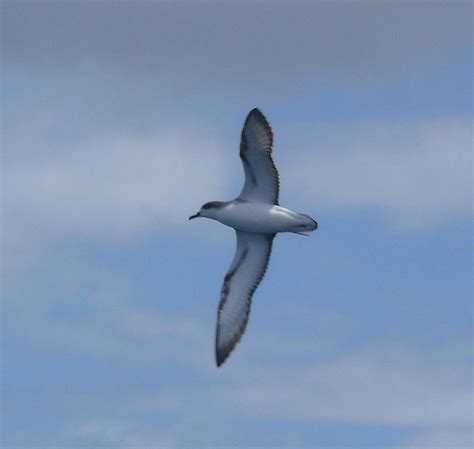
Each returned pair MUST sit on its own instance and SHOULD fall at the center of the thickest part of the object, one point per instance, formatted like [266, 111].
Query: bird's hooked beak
[194, 216]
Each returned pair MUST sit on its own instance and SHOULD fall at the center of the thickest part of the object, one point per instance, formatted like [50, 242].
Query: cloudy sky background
[120, 119]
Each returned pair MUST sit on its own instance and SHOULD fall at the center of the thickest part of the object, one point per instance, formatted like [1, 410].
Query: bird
[256, 217]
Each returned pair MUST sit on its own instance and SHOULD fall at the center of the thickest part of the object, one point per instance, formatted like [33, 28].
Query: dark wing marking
[262, 183]
[244, 275]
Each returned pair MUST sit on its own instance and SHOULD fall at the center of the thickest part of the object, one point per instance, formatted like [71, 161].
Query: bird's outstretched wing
[244, 275]
[262, 184]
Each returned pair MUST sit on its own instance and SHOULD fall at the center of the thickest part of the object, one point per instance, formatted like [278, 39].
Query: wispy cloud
[414, 175]
[115, 185]
[423, 389]
[104, 322]
[403, 388]
[382, 383]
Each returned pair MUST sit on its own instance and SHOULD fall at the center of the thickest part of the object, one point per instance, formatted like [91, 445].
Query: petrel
[256, 217]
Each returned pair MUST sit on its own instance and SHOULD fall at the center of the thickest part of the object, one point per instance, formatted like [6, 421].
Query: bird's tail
[306, 226]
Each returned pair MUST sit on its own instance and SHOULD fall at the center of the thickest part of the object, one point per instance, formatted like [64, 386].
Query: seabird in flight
[256, 217]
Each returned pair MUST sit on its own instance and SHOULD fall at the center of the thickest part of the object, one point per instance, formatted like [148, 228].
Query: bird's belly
[257, 217]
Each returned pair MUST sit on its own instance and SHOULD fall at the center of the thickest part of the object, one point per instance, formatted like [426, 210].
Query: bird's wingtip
[223, 352]
[220, 358]
[257, 115]
[255, 111]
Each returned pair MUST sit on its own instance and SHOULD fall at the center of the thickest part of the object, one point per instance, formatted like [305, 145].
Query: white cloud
[379, 386]
[384, 383]
[105, 324]
[114, 185]
[415, 175]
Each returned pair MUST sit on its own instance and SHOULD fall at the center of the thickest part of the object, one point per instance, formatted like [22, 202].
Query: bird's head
[208, 210]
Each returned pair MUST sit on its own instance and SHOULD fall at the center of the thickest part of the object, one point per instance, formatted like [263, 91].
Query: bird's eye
[208, 206]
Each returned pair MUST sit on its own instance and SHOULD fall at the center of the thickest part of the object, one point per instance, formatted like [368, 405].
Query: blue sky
[121, 119]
